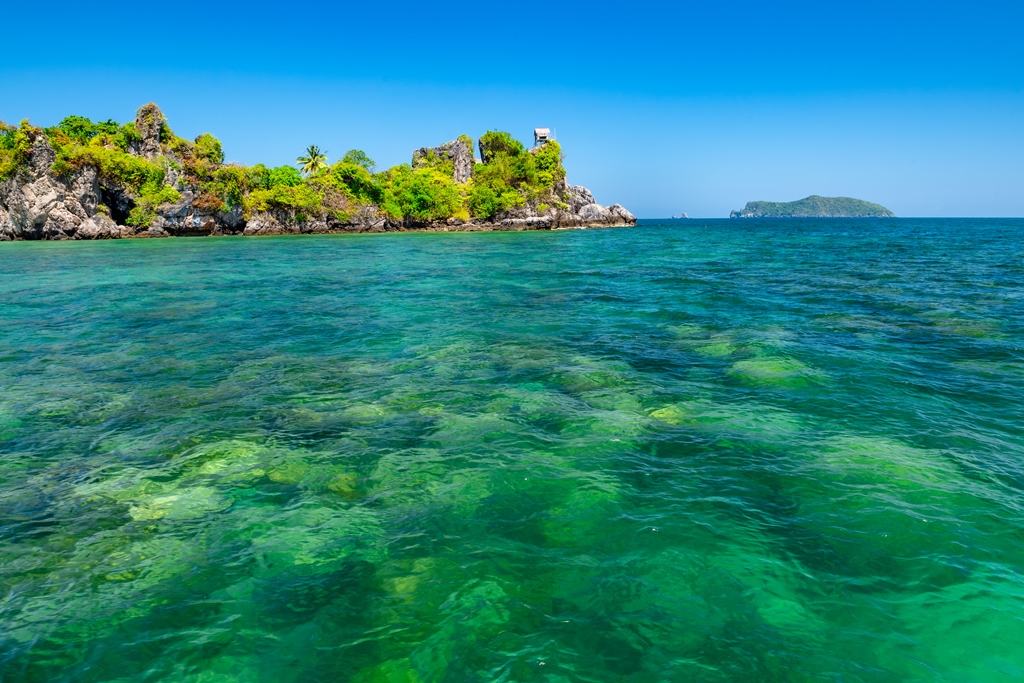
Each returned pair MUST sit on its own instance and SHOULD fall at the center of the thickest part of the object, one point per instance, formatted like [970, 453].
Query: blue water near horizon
[707, 450]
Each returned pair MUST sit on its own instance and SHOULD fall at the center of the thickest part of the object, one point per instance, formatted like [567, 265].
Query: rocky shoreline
[40, 203]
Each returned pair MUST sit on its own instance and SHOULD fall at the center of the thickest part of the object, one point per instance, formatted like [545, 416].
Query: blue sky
[664, 107]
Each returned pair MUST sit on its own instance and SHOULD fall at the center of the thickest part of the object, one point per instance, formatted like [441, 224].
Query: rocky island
[814, 207]
[92, 180]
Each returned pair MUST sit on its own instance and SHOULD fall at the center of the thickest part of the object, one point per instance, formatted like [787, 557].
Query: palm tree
[313, 161]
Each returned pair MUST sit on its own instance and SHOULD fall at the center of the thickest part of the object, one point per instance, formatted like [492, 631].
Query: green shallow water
[688, 451]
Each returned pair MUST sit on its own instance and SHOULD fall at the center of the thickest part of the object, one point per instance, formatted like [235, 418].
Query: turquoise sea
[703, 450]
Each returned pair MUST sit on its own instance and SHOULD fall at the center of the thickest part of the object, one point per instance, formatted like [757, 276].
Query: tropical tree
[314, 160]
[360, 158]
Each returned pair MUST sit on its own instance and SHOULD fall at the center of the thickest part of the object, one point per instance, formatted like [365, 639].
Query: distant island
[83, 179]
[814, 207]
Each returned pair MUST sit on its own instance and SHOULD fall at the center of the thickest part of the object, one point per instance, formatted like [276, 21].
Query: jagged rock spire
[460, 152]
[148, 122]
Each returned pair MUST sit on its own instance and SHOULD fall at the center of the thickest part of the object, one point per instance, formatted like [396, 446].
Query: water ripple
[711, 450]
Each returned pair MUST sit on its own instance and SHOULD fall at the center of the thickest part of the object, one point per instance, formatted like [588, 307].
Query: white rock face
[593, 213]
[35, 204]
[458, 152]
[98, 227]
[579, 197]
[148, 122]
[620, 211]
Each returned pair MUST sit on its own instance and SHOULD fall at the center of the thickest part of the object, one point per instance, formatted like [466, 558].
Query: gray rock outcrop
[365, 219]
[593, 213]
[35, 204]
[185, 219]
[584, 211]
[619, 213]
[459, 152]
[148, 122]
[579, 197]
[98, 227]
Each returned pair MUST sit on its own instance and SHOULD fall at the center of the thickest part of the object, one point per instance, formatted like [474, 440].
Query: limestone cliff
[458, 152]
[35, 204]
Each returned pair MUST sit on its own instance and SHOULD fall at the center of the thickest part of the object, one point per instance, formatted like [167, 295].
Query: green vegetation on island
[510, 178]
[814, 207]
[150, 179]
